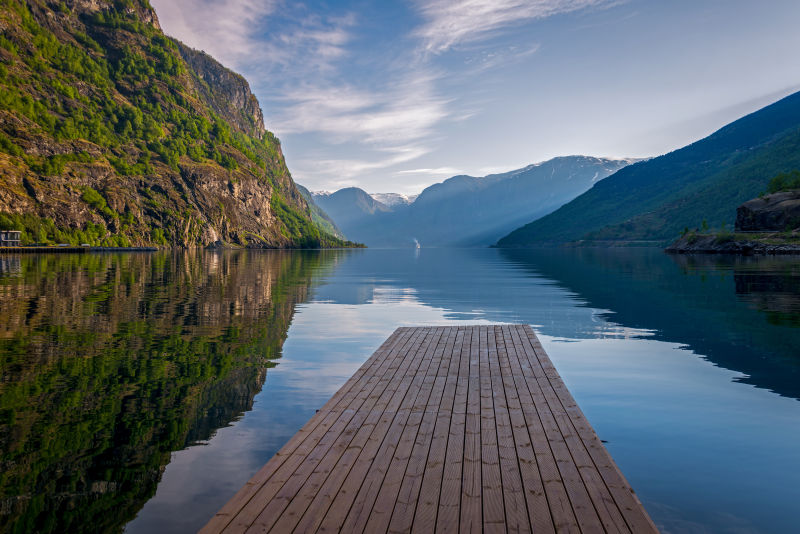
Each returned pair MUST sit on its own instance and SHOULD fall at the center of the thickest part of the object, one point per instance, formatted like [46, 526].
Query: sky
[392, 96]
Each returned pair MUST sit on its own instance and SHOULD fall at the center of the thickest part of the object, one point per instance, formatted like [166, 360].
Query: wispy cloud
[485, 59]
[347, 172]
[368, 115]
[452, 22]
[438, 171]
[382, 118]
[226, 29]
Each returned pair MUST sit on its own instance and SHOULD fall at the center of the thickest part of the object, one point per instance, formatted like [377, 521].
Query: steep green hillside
[318, 215]
[656, 199]
[112, 133]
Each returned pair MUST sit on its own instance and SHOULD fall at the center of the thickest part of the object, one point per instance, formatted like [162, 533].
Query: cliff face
[226, 92]
[776, 212]
[112, 133]
[769, 224]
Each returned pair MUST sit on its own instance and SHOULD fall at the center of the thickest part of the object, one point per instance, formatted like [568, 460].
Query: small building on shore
[10, 238]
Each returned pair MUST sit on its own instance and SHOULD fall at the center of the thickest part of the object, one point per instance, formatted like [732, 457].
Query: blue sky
[392, 96]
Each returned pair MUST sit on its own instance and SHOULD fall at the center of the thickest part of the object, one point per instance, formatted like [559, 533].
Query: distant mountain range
[393, 199]
[464, 210]
[653, 201]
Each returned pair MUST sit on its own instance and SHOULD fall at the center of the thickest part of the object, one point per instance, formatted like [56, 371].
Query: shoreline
[766, 244]
[72, 250]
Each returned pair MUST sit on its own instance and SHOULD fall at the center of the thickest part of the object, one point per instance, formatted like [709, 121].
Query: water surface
[141, 391]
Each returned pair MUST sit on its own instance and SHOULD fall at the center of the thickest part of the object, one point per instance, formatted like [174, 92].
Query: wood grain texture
[443, 429]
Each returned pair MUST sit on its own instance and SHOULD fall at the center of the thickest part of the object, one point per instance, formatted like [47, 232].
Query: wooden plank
[430, 491]
[579, 498]
[299, 466]
[384, 505]
[558, 502]
[363, 506]
[322, 485]
[621, 493]
[516, 509]
[540, 517]
[343, 500]
[313, 430]
[445, 429]
[471, 519]
[449, 509]
[309, 454]
[403, 514]
[494, 519]
[604, 505]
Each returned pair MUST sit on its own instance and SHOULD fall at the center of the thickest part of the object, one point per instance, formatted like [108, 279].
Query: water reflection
[708, 303]
[111, 362]
[739, 313]
[125, 377]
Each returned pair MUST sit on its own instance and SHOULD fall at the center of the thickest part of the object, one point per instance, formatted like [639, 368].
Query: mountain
[349, 207]
[654, 200]
[465, 210]
[393, 199]
[318, 215]
[113, 133]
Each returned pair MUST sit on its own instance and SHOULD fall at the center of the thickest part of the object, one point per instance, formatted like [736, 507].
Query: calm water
[140, 391]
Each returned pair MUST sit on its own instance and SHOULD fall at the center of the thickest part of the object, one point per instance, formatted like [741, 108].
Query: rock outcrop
[769, 224]
[226, 92]
[112, 133]
[771, 213]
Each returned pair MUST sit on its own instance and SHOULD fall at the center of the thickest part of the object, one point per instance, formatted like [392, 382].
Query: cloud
[453, 22]
[438, 171]
[485, 59]
[225, 29]
[344, 171]
[381, 117]
[355, 112]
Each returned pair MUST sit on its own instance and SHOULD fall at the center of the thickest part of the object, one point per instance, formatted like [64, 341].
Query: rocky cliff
[776, 212]
[226, 92]
[112, 133]
[769, 224]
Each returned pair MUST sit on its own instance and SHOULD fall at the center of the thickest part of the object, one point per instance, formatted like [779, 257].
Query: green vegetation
[301, 230]
[105, 91]
[43, 231]
[652, 201]
[94, 401]
[318, 215]
[785, 181]
[724, 236]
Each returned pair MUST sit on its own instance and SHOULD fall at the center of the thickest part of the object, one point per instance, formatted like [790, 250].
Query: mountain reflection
[111, 362]
[738, 313]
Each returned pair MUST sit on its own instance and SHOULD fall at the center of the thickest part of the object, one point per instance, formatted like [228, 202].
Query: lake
[140, 391]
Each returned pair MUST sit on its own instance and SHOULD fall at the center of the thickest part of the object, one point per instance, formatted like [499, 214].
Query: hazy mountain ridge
[113, 133]
[318, 215]
[466, 210]
[393, 199]
[349, 207]
[654, 200]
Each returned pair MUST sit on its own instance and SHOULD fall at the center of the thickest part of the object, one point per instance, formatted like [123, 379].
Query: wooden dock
[443, 429]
